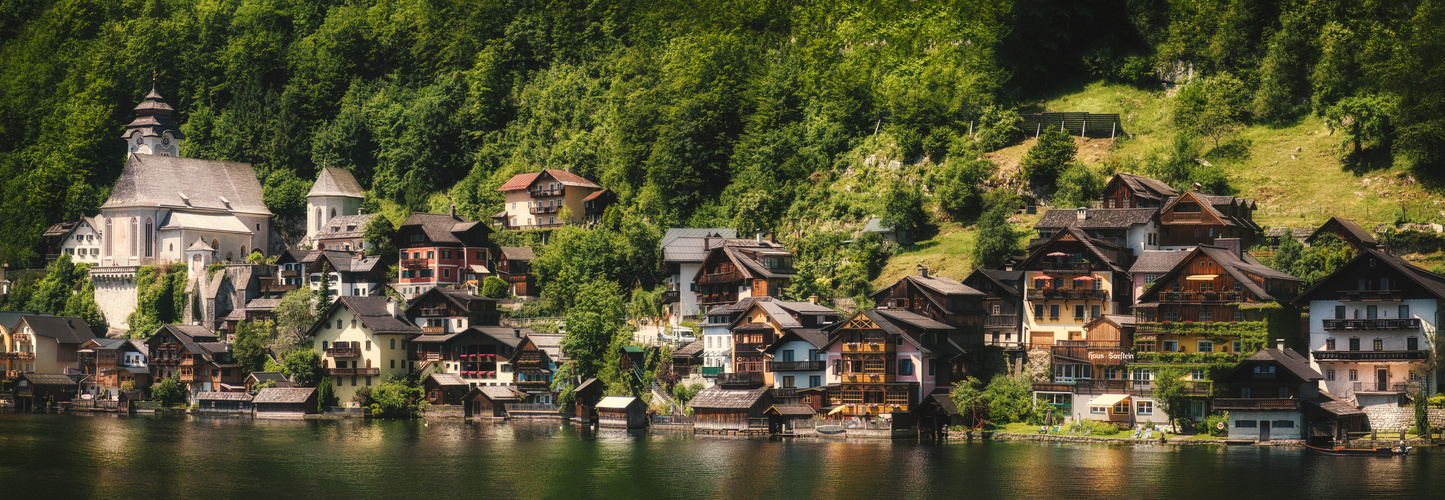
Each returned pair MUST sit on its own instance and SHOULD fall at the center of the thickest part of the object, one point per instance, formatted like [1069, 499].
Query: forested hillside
[752, 114]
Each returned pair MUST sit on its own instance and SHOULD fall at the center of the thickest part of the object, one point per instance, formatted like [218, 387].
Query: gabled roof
[1288, 359]
[813, 336]
[1236, 267]
[1146, 187]
[224, 396]
[447, 379]
[493, 392]
[1211, 203]
[151, 181]
[1078, 234]
[1096, 218]
[790, 410]
[462, 299]
[689, 350]
[373, 313]
[717, 397]
[617, 402]
[276, 377]
[443, 228]
[523, 181]
[1431, 282]
[284, 395]
[63, 329]
[1347, 228]
[1157, 261]
[1007, 281]
[684, 244]
[51, 379]
[518, 253]
[334, 181]
[896, 322]
[945, 286]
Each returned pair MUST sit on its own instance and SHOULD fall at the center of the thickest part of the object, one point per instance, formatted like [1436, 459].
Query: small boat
[830, 429]
[1363, 452]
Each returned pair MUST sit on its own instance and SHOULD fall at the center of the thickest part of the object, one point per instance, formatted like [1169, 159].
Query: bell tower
[154, 131]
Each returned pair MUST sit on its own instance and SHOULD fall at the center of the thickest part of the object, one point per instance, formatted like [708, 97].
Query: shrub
[1103, 429]
[1217, 425]
[1048, 157]
[494, 287]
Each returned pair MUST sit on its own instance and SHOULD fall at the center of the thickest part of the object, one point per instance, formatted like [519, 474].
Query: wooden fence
[1095, 125]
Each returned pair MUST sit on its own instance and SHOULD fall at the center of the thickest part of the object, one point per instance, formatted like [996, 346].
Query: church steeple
[153, 131]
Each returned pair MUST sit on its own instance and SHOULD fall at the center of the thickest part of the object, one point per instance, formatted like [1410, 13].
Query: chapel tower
[154, 131]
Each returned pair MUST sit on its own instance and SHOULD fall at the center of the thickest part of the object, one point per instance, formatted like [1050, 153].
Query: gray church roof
[336, 182]
[171, 182]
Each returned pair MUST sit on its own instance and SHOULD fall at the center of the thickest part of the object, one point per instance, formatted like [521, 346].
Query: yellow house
[550, 198]
[48, 344]
[1069, 280]
[362, 340]
[12, 362]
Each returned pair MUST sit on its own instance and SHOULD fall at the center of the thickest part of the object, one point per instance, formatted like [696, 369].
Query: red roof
[594, 196]
[523, 181]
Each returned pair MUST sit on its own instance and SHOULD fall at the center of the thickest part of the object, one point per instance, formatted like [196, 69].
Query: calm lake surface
[107, 456]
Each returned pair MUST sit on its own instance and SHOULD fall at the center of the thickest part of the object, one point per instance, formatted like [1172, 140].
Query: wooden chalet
[719, 409]
[937, 298]
[197, 357]
[1353, 235]
[108, 363]
[514, 266]
[285, 402]
[224, 402]
[444, 389]
[478, 354]
[485, 401]
[443, 310]
[35, 391]
[1266, 395]
[1209, 285]
[619, 411]
[1003, 306]
[1194, 218]
[1136, 191]
[762, 324]
[276, 379]
[1071, 279]
[740, 268]
[883, 360]
[532, 370]
[686, 357]
[585, 398]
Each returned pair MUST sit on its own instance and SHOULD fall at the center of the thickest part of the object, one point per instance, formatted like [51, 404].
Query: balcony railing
[1175, 217]
[1067, 294]
[1133, 387]
[708, 279]
[1200, 297]
[867, 347]
[1255, 404]
[1066, 266]
[868, 377]
[1371, 355]
[537, 210]
[1371, 295]
[717, 298]
[545, 193]
[1372, 324]
[343, 351]
[740, 379]
[353, 371]
[290, 274]
[415, 262]
[1001, 320]
[671, 297]
[433, 329]
[17, 355]
[796, 366]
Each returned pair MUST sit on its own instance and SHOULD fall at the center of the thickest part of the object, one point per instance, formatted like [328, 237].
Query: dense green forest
[739, 113]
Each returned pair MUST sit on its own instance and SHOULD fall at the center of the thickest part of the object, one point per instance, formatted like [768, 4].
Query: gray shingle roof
[717, 397]
[791, 410]
[1289, 359]
[1096, 218]
[151, 181]
[1349, 227]
[223, 396]
[375, 316]
[495, 393]
[447, 379]
[1157, 261]
[674, 233]
[51, 379]
[616, 402]
[519, 253]
[442, 228]
[346, 226]
[1147, 187]
[64, 330]
[284, 395]
[334, 181]
[944, 286]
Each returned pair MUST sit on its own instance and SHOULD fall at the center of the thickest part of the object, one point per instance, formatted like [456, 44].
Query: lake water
[108, 456]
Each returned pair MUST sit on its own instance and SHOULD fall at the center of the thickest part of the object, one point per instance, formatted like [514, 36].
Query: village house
[741, 268]
[1135, 191]
[349, 274]
[937, 298]
[285, 402]
[796, 359]
[12, 361]
[717, 336]
[224, 402]
[291, 267]
[444, 388]
[1070, 279]
[334, 195]
[514, 266]
[109, 363]
[79, 239]
[1266, 395]
[31, 391]
[532, 369]
[437, 249]
[489, 401]
[884, 361]
[196, 357]
[1370, 328]
[1210, 287]
[550, 198]
[1348, 231]
[683, 251]
[1003, 302]
[1134, 228]
[761, 325]
[51, 344]
[1194, 218]
[361, 340]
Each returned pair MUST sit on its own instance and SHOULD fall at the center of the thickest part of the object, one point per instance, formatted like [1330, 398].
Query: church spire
[153, 131]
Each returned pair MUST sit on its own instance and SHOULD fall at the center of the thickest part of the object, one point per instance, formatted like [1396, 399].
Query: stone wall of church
[115, 296]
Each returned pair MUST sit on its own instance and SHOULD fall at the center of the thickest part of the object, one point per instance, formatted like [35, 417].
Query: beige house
[362, 340]
[550, 198]
[50, 342]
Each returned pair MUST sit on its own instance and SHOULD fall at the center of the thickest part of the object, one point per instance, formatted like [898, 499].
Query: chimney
[760, 236]
[813, 299]
[1232, 244]
[1083, 213]
[453, 211]
[517, 332]
[391, 307]
[1197, 186]
[1279, 344]
[923, 270]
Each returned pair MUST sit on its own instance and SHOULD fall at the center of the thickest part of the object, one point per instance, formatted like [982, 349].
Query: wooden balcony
[1181, 217]
[165, 361]
[545, 193]
[533, 385]
[1371, 295]
[290, 274]
[1066, 267]
[867, 347]
[415, 262]
[795, 366]
[339, 372]
[740, 379]
[343, 351]
[1349, 325]
[1200, 297]
[1256, 404]
[868, 378]
[670, 297]
[22, 356]
[187, 378]
[709, 279]
[541, 210]
[1132, 387]
[1371, 355]
[1001, 320]
[1067, 294]
[433, 329]
[717, 298]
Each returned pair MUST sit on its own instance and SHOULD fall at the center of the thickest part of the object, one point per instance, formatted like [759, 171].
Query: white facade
[1143, 237]
[321, 209]
[1370, 365]
[83, 243]
[717, 346]
[1265, 425]
[796, 354]
[686, 295]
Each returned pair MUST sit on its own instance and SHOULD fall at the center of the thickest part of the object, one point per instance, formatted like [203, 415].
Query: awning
[1085, 278]
[837, 410]
[479, 269]
[1057, 254]
[1107, 400]
[1201, 277]
[1043, 277]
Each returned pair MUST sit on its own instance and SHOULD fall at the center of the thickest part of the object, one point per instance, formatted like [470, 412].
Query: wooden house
[489, 401]
[1209, 285]
[285, 402]
[1194, 218]
[1265, 395]
[224, 402]
[444, 388]
[719, 409]
[437, 249]
[686, 357]
[1003, 305]
[937, 298]
[33, 391]
[197, 357]
[585, 398]
[548, 199]
[683, 251]
[762, 324]
[108, 363]
[882, 360]
[51, 343]
[742, 268]
[1136, 191]
[618, 411]
[532, 369]
[514, 266]
[275, 379]
[1353, 235]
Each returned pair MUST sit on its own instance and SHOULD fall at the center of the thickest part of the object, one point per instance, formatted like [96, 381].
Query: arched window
[333, 213]
[318, 219]
[134, 237]
[243, 252]
[229, 257]
[215, 245]
[149, 239]
[107, 236]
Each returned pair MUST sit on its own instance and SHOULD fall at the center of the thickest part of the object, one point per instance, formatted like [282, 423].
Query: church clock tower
[153, 132]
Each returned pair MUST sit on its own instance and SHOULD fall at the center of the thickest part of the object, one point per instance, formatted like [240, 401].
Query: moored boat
[1367, 452]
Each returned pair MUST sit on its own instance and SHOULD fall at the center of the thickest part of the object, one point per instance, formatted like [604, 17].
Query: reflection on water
[179, 456]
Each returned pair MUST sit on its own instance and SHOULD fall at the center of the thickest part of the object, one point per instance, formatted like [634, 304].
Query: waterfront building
[1370, 328]
[532, 369]
[276, 379]
[796, 359]
[438, 250]
[883, 361]
[224, 402]
[621, 411]
[717, 337]
[683, 252]
[109, 363]
[361, 340]
[1201, 304]
[48, 344]
[724, 409]
[548, 199]
[760, 325]
[31, 391]
[489, 401]
[196, 357]
[444, 388]
[1071, 279]
[1003, 304]
[285, 402]
[1269, 394]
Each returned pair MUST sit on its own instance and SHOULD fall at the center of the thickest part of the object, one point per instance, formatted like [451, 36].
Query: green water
[107, 456]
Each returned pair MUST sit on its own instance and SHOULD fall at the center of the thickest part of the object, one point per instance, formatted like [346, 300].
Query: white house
[798, 359]
[683, 250]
